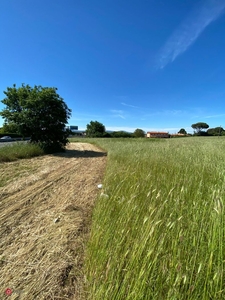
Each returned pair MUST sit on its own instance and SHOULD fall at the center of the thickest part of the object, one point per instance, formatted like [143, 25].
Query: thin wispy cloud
[199, 18]
[118, 113]
[164, 113]
[215, 116]
[128, 105]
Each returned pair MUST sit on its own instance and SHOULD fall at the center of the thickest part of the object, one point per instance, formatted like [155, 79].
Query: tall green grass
[18, 151]
[159, 226]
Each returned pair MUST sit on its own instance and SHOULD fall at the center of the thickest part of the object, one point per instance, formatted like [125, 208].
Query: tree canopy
[198, 127]
[95, 129]
[139, 133]
[182, 131]
[217, 131]
[121, 134]
[39, 113]
[9, 128]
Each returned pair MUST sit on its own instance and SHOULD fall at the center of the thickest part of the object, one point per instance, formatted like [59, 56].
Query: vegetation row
[42, 115]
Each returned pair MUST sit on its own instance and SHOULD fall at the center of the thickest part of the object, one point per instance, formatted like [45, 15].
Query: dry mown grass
[45, 216]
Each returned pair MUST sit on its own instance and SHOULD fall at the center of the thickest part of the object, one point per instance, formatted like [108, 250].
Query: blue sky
[149, 64]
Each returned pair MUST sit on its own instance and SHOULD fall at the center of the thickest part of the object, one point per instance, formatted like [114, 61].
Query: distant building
[157, 134]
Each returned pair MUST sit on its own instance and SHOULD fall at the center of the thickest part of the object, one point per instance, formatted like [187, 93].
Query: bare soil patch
[45, 215]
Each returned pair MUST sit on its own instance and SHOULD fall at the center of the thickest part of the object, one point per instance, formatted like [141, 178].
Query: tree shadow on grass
[80, 153]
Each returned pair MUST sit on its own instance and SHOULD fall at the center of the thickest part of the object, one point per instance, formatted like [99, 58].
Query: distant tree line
[217, 131]
[97, 129]
[42, 114]
[200, 130]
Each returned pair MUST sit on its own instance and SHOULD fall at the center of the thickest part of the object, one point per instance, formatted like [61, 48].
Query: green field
[18, 150]
[158, 227]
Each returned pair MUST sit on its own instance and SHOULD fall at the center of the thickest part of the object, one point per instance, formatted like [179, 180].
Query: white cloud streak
[199, 18]
[166, 113]
[215, 116]
[118, 113]
[128, 105]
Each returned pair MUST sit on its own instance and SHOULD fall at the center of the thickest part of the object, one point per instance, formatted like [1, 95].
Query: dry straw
[45, 221]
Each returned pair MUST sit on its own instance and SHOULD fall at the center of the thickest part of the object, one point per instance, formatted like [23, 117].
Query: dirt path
[45, 211]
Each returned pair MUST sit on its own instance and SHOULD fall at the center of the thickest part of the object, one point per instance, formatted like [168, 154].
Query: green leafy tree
[217, 131]
[138, 133]
[39, 113]
[95, 129]
[10, 128]
[121, 134]
[182, 131]
[198, 127]
[107, 135]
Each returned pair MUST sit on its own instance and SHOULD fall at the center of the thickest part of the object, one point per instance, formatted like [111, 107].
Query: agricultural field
[45, 211]
[158, 230]
[154, 231]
